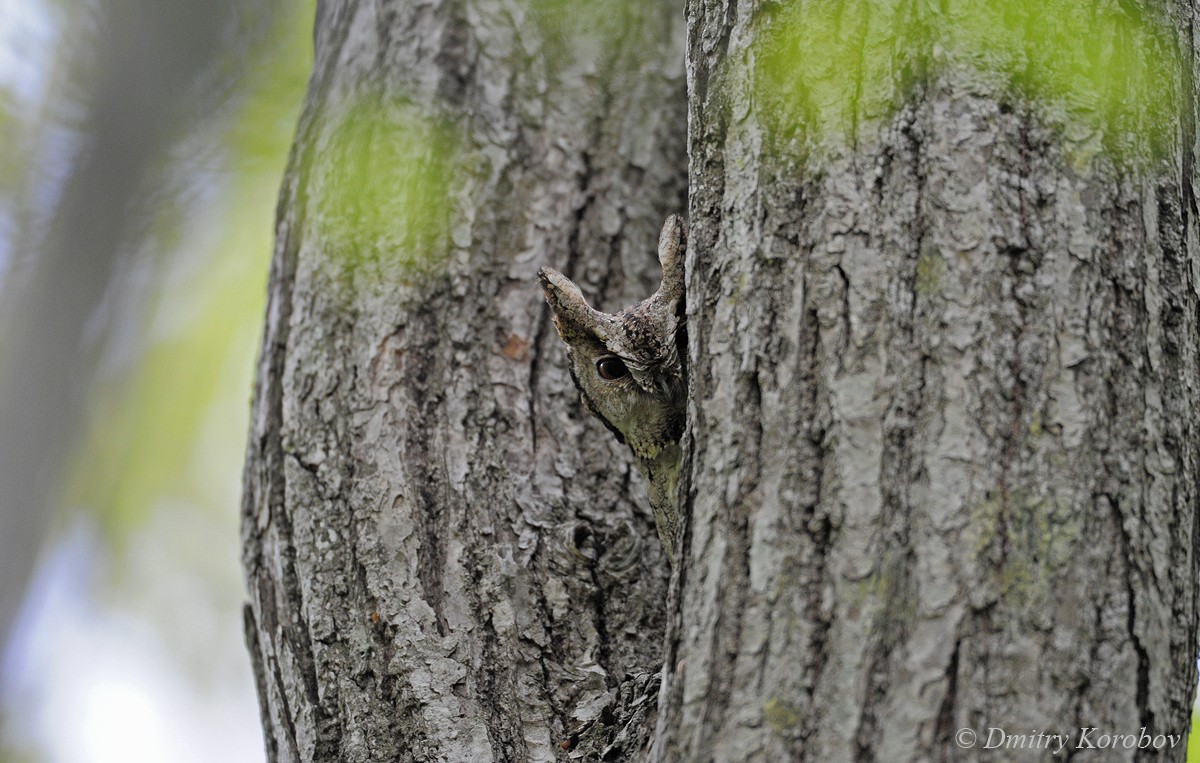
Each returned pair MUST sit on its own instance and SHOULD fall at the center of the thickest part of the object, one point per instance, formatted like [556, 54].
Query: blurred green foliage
[171, 428]
[827, 67]
[1193, 748]
[385, 176]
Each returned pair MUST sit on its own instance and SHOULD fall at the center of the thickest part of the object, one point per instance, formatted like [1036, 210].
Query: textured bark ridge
[944, 411]
[447, 559]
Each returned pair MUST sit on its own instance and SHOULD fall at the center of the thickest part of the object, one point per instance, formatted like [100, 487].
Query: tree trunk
[448, 560]
[944, 407]
[941, 460]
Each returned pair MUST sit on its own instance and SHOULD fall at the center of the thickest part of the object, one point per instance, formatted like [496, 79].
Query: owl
[629, 368]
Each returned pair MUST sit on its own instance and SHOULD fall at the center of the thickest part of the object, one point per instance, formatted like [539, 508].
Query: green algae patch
[825, 69]
[931, 269]
[1027, 540]
[385, 172]
[826, 65]
[781, 716]
[1110, 68]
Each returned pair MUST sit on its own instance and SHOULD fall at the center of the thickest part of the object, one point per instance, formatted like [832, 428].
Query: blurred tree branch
[146, 76]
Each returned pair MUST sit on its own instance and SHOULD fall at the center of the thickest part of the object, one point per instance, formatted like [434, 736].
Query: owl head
[628, 366]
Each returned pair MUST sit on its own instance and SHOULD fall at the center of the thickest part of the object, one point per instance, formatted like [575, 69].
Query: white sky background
[26, 48]
[98, 681]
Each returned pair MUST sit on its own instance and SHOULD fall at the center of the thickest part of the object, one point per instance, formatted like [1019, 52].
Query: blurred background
[141, 148]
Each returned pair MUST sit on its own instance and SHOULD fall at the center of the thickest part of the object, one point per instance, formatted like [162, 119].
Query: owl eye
[611, 368]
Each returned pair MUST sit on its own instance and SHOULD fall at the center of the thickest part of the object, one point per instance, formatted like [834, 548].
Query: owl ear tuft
[574, 318]
[672, 248]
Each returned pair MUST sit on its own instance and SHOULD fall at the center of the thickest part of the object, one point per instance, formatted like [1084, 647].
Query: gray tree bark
[447, 559]
[944, 416]
[942, 443]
